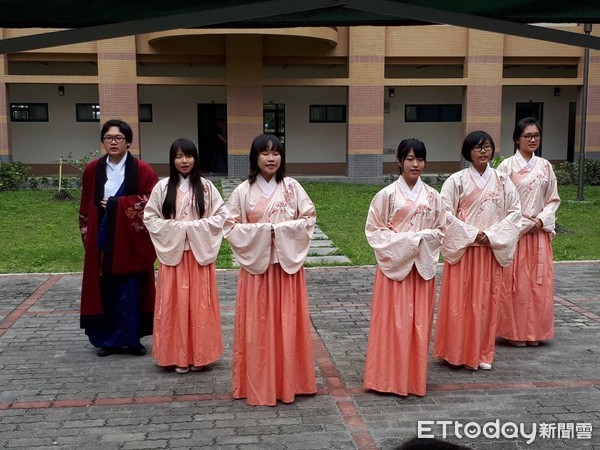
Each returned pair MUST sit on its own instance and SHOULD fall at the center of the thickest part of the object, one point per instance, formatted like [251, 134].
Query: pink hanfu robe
[270, 237]
[187, 320]
[473, 275]
[527, 314]
[406, 235]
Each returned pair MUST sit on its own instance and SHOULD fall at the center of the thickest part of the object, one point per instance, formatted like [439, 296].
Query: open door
[530, 109]
[208, 146]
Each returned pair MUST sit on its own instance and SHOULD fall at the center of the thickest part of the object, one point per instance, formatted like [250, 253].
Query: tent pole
[587, 28]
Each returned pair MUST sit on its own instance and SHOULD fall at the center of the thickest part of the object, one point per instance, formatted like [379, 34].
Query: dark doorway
[530, 109]
[208, 146]
[274, 120]
[571, 132]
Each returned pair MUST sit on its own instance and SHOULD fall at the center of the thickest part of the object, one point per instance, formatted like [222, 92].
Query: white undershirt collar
[115, 175]
[267, 187]
[480, 180]
[409, 193]
[525, 164]
[184, 183]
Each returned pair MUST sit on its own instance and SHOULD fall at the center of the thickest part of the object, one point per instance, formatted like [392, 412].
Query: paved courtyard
[56, 393]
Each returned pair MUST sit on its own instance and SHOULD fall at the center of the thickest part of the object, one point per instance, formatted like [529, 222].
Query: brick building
[340, 98]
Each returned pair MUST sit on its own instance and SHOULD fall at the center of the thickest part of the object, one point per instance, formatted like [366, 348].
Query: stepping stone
[327, 259]
[321, 251]
[321, 243]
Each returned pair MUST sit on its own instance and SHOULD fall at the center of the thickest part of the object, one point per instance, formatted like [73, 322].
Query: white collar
[482, 179]
[409, 193]
[523, 164]
[266, 186]
[118, 166]
[184, 183]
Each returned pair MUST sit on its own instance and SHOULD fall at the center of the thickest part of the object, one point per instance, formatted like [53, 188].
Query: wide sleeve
[168, 236]
[133, 250]
[459, 235]
[84, 205]
[394, 251]
[292, 237]
[431, 242]
[250, 242]
[551, 203]
[205, 234]
[503, 235]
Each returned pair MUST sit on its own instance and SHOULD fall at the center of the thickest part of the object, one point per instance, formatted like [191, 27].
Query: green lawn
[39, 234]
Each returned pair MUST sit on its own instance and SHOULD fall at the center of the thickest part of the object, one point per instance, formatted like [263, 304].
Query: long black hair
[259, 144]
[169, 205]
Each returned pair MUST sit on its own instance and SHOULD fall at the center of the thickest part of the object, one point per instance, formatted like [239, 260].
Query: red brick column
[117, 88]
[592, 130]
[244, 100]
[366, 64]
[483, 95]
[5, 148]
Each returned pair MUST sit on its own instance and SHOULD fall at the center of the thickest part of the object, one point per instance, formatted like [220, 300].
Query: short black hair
[473, 139]
[121, 125]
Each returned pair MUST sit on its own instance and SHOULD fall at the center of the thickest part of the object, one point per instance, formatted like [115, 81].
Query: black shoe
[138, 350]
[104, 351]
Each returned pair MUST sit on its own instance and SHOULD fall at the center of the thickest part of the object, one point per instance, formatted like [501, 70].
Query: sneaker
[469, 367]
[533, 343]
[182, 369]
[516, 343]
[138, 350]
[196, 368]
[104, 351]
[485, 366]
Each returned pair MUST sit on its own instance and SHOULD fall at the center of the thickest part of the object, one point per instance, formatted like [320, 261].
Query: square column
[366, 64]
[117, 89]
[5, 148]
[244, 100]
[483, 94]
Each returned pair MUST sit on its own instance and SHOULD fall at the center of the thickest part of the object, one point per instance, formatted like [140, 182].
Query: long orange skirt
[467, 315]
[400, 330]
[272, 348]
[187, 319]
[527, 313]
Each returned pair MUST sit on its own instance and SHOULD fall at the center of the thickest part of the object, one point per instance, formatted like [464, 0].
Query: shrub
[568, 173]
[12, 175]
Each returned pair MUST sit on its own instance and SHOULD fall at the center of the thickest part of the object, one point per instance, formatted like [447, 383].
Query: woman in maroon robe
[117, 296]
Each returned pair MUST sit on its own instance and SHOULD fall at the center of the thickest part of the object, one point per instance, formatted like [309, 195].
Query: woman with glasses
[117, 295]
[527, 313]
[483, 219]
[185, 216]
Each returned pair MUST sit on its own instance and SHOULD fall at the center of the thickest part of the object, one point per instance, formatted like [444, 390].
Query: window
[433, 113]
[29, 112]
[87, 112]
[145, 112]
[327, 113]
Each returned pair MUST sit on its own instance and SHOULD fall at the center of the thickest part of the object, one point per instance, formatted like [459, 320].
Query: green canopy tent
[96, 19]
